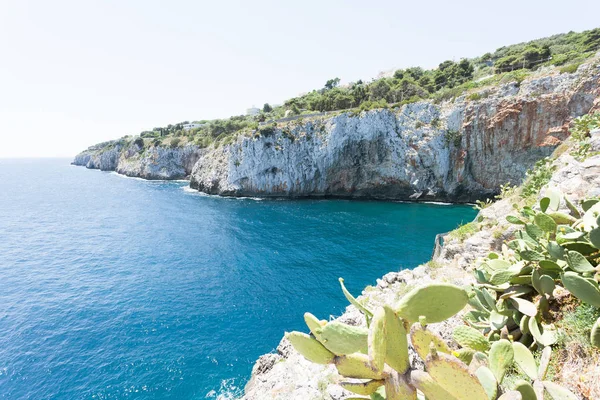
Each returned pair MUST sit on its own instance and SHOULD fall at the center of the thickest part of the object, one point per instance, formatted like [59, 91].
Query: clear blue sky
[76, 72]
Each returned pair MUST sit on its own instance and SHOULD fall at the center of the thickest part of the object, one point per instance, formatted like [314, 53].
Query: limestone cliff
[135, 160]
[455, 151]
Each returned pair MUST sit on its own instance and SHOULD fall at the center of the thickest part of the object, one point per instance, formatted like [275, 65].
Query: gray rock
[455, 151]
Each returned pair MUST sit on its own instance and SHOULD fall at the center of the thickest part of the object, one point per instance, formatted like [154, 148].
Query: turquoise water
[119, 288]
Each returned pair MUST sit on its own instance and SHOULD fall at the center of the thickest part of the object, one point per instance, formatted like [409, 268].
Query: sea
[121, 288]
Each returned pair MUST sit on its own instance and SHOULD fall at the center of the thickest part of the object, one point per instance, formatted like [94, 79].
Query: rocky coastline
[455, 151]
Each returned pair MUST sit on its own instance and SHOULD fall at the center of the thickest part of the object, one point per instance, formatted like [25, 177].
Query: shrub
[452, 137]
[175, 142]
[569, 69]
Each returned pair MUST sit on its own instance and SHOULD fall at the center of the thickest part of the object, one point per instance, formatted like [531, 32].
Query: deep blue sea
[119, 288]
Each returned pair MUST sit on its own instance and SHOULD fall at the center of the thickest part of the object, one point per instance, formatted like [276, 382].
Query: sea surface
[120, 288]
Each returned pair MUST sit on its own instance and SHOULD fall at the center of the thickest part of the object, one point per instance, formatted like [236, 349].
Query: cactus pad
[454, 376]
[501, 358]
[437, 302]
[310, 348]
[356, 366]
[397, 342]
[376, 339]
[342, 339]
[581, 288]
[470, 337]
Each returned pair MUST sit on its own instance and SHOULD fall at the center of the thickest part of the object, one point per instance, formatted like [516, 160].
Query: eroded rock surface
[455, 151]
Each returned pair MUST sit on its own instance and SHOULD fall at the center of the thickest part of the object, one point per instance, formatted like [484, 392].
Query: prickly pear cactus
[376, 358]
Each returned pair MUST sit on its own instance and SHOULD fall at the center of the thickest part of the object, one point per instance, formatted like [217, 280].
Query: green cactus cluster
[374, 360]
[552, 248]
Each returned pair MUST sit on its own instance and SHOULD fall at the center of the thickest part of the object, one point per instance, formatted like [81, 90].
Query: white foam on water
[228, 391]
[189, 190]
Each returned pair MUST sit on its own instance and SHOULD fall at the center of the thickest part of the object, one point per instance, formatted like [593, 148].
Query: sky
[77, 72]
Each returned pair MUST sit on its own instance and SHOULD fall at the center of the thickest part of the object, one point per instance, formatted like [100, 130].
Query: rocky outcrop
[455, 151]
[286, 375]
[133, 159]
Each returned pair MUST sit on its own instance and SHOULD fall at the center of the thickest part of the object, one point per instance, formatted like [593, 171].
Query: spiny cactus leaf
[489, 297]
[503, 276]
[524, 306]
[544, 203]
[479, 360]
[342, 339]
[544, 363]
[524, 325]
[397, 342]
[488, 381]
[534, 232]
[545, 222]
[544, 337]
[314, 324]
[422, 338]
[595, 335]
[454, 376]
[516, 291]
[397, 388]
[581, 247]
[498, 264]
[465, 354]
[535, 281]
[477, 319]
[549, 267]
[497, 320]
[555, 250]
[562, 219]
[365, 388]
[310, 348]
[470, 337]
[595, 237]
[353, 300]
[514, 220]
[531, 255]
[376, 339]
[547, 285]
[525, 360]
[578, 263]
[501, 358]
[437, 302]
[558, 392]
[589, 203]
[526, 390]
[430, 388]
[581, 288]
[356, 366]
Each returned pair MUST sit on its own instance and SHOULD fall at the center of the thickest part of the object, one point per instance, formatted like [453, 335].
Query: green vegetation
[378, 354]
[560, 49]
[449, 80]
[464, 231]
[580, 132]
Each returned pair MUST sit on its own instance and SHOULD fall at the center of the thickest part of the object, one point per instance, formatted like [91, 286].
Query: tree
[332, 83]
[379, 90]
[267, 108]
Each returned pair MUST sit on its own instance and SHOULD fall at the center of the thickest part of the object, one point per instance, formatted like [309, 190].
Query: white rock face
[459, 151]
[152, 163]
